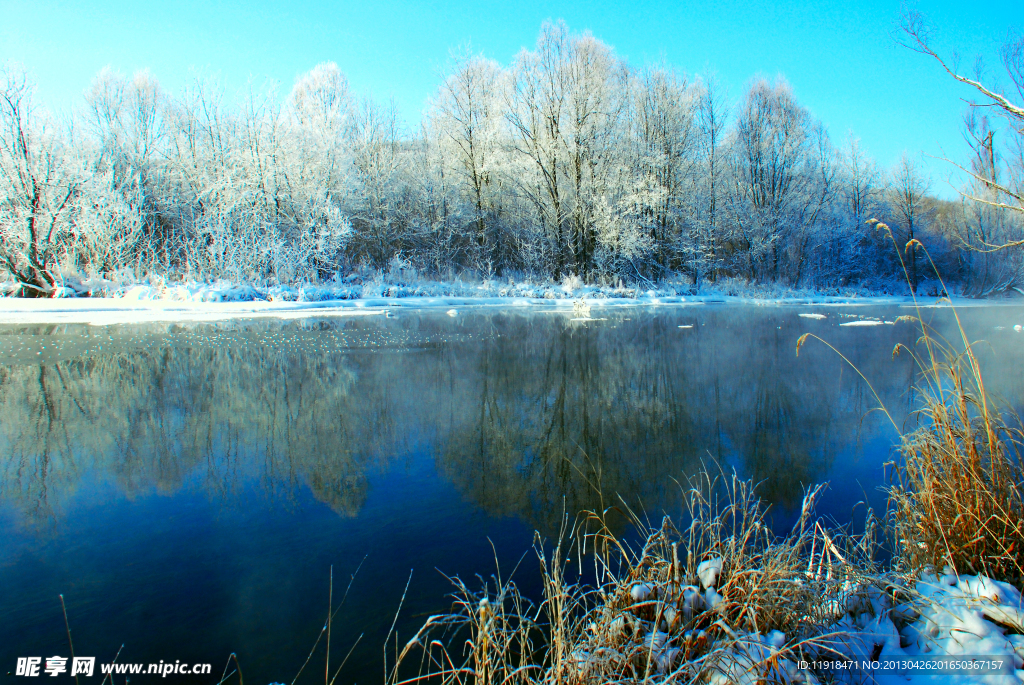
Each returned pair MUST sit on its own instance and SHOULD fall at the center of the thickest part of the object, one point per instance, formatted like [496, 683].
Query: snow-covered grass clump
[721, 600]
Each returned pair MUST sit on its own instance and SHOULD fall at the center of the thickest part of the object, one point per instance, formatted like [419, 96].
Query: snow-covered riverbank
[121, 310]
[224, 300]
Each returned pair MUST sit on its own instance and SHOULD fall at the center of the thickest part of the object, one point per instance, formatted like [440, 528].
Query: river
[189, 488]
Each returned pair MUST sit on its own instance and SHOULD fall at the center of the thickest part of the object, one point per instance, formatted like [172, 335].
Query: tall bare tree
[773, 146]
[712, 153]
[908, 194]
[665, 130]
[535, 108]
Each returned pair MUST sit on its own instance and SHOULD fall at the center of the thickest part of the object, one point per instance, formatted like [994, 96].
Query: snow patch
[950, 616]
[641, 592]
[708, 572]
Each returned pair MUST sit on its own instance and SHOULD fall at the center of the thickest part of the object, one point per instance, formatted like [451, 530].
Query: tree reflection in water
[527, 414]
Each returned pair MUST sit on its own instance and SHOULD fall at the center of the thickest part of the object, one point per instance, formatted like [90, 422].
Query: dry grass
[651, 615]
[957, 496]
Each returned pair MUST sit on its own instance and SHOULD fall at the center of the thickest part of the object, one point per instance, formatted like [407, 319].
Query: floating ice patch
[689, 326]
[453, 312]
[862, 323]
[814, 316]
[1017, 328]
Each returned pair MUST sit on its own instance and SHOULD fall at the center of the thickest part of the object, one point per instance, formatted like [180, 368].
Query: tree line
[567, 162]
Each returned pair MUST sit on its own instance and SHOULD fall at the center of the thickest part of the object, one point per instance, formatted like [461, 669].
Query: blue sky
[839, 55]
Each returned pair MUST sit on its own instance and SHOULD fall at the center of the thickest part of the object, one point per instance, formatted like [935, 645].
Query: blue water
[190, 489]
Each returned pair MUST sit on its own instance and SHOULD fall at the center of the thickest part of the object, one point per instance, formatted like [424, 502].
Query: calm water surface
[188, 488]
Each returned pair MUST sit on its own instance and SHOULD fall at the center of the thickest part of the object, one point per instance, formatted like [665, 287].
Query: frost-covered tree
[712, 160]
[564, 107]
[126, 117]
[861, 190]
[317, 175]
[983, 226]
[376, 160]
[595, 81]
[773, 168]
[535, 107]
[39, 179]
[663, 124]
[908, 195]
[465, 120]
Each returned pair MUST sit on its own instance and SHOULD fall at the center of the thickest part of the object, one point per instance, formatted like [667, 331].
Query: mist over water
[188, 487]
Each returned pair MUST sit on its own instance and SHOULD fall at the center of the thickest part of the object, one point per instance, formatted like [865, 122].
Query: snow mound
[970, 617]
[708, 572]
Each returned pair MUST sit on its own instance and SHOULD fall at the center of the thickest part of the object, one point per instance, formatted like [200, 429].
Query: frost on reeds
[957, 494]
[719, 598]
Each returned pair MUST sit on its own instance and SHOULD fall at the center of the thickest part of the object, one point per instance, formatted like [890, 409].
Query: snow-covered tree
[38, 184]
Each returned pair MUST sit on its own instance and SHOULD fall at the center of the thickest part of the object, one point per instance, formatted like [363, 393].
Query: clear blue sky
[838, 54]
